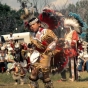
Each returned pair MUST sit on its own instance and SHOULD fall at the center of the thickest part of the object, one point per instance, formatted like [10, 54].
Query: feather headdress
[27, 15]
[76, 16]
[73, 23]
[50, 17]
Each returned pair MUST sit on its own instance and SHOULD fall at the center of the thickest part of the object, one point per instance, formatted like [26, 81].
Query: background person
[2, 39]
[11, 37]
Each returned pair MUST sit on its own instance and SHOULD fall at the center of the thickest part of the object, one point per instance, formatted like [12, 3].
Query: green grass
[6, 81]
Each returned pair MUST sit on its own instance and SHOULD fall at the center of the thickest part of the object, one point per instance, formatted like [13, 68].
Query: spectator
[1, 44]
[11, 37]
[10, 59]
[2, 59]
[6, 53]
[2, 39]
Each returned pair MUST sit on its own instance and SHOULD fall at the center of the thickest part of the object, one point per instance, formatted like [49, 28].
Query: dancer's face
[34, 27]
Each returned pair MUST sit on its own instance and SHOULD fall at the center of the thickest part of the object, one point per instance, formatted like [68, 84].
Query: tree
[9, 19]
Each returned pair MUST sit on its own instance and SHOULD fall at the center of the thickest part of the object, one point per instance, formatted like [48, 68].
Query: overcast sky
[15, 5]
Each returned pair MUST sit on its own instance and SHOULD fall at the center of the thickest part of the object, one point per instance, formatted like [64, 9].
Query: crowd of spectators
[11, 52]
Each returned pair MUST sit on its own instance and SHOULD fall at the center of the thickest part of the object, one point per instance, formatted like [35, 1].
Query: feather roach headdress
[50, 17]
[27, 15]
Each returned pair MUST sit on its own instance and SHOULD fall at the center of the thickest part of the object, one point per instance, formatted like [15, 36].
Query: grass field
[6, 81]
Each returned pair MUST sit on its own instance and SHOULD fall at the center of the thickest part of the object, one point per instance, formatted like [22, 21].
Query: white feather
[72, 22]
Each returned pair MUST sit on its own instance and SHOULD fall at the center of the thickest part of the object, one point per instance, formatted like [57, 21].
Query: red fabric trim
[44, 43]
[26, 24]
[75, 36]
[40, 29]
